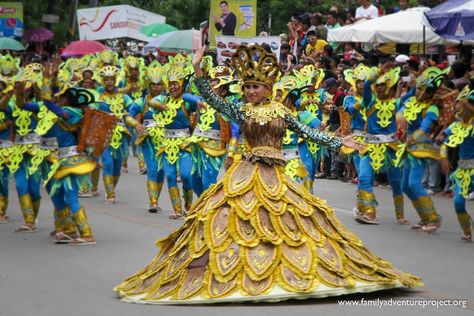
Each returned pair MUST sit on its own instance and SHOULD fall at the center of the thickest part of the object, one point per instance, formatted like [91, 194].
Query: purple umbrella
[453, 19]
[38, 35]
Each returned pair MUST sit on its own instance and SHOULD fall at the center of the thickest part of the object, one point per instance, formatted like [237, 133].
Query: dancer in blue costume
[26, 143]
[211, 134]
[285, 91]
[175, 116]
[118, 104]
[352, 104]
[6, 146]
[382, 143]
[461, 134]
[417, 118]
[47, 150]
[311, 99]
[142, 116]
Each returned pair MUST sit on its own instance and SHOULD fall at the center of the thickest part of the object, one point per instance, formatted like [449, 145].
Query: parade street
[38, 277]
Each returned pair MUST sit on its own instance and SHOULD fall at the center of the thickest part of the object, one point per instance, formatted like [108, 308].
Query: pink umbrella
[38, 35]
[84, 47]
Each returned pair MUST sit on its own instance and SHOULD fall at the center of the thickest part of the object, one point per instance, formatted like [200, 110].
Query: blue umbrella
[453, 19]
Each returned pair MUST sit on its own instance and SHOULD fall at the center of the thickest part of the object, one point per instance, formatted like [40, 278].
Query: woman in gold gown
[257, 235]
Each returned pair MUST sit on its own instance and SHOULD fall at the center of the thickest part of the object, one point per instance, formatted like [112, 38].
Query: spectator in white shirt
[366, 11]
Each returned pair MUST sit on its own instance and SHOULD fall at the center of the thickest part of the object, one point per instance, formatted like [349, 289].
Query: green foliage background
[185, 14]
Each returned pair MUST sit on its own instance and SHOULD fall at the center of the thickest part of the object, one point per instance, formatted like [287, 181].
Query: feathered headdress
[155, 73]
[111, 71]
[359, 73]
[179, 69]
[390, 78]
[431, 78]
[286, 85]
[9, 66]
[309, 75]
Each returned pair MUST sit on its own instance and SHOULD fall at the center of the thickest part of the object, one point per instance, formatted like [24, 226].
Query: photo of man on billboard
[227, 21]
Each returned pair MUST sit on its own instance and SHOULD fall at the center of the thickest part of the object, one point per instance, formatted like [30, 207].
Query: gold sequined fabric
[258, 235]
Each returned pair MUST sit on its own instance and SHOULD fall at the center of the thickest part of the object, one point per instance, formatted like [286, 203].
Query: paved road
[40, 278]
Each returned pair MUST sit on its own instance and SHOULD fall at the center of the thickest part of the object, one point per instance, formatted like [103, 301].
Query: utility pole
[72, 20]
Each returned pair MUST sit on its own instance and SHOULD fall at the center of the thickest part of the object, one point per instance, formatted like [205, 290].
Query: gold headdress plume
[361, 72]
[9, 83]
[131, 62]
[155, 73]
[309, 75]
[465, 95]
[29, 77]
[9, 66]
[390, 78]
[179, 68]
[108, 58]
[36, 67]
[254, 64]
[431, 78]
[285, 85]
[64, 81]
[111, 71]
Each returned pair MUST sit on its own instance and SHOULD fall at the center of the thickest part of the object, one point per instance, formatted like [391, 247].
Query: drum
[97, 130]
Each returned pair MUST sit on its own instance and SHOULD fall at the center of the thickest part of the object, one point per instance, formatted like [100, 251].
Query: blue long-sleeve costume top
[318, 95]
[68, 116]
[306, 118]
[466, 147]
[369, 102]
[35, 108]
[181, 120]
[18, 120]
[187, 97]
[357, 119]
[423, 122]
[5, 120]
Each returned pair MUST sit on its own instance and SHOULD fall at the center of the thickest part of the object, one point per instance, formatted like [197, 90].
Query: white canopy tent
[401, 27]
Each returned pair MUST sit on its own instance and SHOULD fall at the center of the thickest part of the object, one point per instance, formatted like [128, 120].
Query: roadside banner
[115, 22]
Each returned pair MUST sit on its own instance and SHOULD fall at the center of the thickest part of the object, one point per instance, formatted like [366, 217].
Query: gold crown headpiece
[9, 66]
[255, 64]
[155, 73]
[111, 71]
[309, 75]
[361, 72]
[390, 78]
[286, 84]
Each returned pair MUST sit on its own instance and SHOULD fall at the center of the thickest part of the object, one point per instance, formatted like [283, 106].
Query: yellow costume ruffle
[259, 236]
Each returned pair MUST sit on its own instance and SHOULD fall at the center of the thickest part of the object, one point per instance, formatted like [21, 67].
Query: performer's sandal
[154, 208]
[175, 216]
[419, 225]
[466, 238]
[403, 221]
[431, 227]
[26, 229]
[363, 218]
[83, 242]
[95, 193]
[4, 219]
[62, 238]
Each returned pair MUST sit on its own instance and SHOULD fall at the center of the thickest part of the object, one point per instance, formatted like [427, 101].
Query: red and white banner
[115, 22]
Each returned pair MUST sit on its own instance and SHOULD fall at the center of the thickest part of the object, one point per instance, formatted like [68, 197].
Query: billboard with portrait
[232, 18]
[11, 19]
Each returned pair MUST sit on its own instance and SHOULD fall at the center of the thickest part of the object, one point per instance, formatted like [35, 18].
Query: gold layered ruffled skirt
[259, 236]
